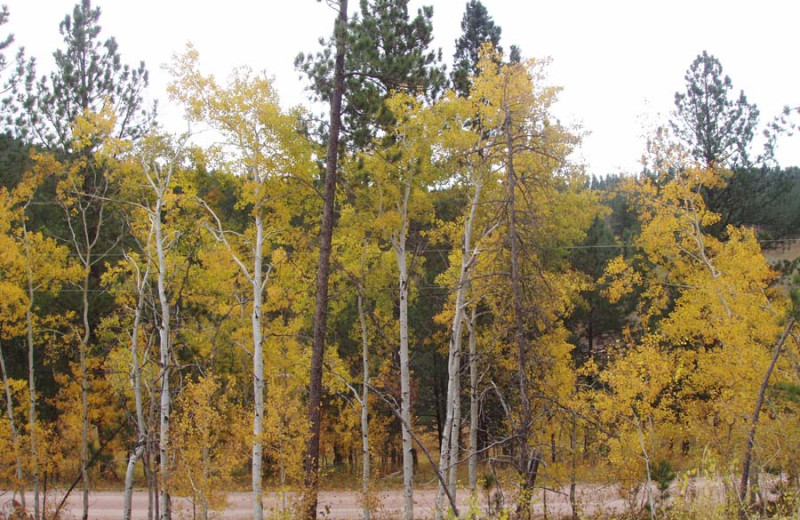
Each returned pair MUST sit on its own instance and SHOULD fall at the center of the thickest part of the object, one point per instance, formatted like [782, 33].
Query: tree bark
[455, 430]
[323, 269]
[365, 457]
[528, 461]
[84, 346]
[136, 383]
[164, 344]
[18, 486]
[573, 446]
[85, 220]
[748, 452]
[473, 403]
[258, 371]
[449, 451]
[31, 383]
[399, 243]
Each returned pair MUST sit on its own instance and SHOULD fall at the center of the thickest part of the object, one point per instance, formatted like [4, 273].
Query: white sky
[620, 61]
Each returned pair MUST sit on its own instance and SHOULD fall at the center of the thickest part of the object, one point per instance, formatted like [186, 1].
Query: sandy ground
[333, 505]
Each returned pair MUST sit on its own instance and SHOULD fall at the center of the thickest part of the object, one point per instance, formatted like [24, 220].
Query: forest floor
[594, 500]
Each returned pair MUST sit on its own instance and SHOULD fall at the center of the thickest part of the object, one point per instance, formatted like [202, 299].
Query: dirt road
[333, 505]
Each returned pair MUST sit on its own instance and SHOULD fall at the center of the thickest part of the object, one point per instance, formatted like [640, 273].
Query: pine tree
[8, 40]
[386, 51]
[89, 75]
[311, 461]
[477, 29]
[89, 101]
[716, 129]
[378, 52]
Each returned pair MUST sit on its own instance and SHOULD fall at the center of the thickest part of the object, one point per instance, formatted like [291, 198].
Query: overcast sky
[619, 62]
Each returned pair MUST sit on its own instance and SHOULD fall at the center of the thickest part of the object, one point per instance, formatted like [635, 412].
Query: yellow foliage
[621, 279]
[209, 435]
[104, 417]
[709, 321]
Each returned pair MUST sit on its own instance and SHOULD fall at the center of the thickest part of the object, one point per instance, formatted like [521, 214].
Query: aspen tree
[466, 151]
[544, 209]
[402, 174]
[31, 264]
[260, 145]
[708, 314]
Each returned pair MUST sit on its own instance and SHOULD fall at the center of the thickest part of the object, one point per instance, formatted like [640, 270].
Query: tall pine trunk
[323, 269]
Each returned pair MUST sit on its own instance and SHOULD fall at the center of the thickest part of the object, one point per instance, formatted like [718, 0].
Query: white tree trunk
[164, 343]
[85, 233]
[448, 457]
[446, 460]
[399, 243]
[84, 346]
[152, 477]
[136, 383]
[473, 403]
[31, 383]
[455, 429]
[159, 179]
[258, 280]
[405, 392]
[365, 460]
[258, 370]
[18, 487]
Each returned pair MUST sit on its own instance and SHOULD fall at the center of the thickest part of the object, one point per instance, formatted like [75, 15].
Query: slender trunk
[748, 453]
[204, 485]
[445, 451]
[32, 384]
[323, 267]
[398, 415]
[136, 383]
[258, 371]
[448, 457]
[156, 502]
[152, 478]
[473, 403]
[405, 392]
[573, 445]
[364, 408]
[284, 497]
[18, 486]
[455, 430]
[646, 457]
[527, 463]
[399, 243]
[164, 344]
[438, 399]
[44, 496]
[137, 453]
[84, 346]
